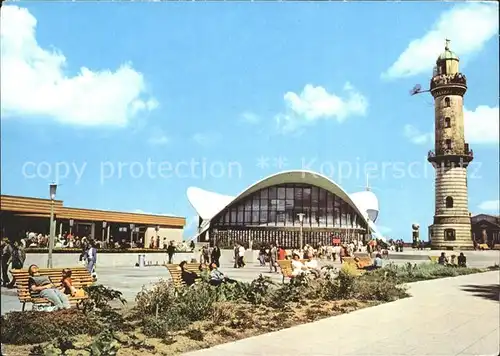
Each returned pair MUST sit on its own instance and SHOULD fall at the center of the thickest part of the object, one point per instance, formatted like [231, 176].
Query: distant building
[269, 211]
[486, 229]
[24, 214]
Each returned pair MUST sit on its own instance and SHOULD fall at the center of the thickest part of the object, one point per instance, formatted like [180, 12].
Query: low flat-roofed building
[20, 215]
[486, 229]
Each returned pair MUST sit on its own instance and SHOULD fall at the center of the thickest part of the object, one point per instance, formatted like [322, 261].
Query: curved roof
[366, 201]
[209, 204]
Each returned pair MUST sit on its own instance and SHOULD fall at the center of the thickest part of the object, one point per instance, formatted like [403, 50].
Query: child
[67, 284]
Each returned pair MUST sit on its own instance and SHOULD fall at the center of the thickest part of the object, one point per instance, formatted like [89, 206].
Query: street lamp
[104, 224]
[52, 191]
[156, 243]
[71, 222]
[301, 220]
[132, 227]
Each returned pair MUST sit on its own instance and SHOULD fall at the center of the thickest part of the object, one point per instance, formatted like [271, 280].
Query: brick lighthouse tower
[452, 224]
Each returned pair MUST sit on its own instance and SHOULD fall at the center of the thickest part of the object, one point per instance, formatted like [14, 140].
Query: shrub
[386, 290]
[33, 327]
[258, 290]
[155, 300]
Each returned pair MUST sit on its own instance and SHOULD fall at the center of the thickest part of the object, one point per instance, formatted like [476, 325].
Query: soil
[230, 322]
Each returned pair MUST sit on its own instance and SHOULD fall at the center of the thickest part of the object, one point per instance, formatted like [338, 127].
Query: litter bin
[142, 260]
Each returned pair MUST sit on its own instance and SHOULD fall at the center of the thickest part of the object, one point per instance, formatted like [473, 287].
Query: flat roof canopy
[38, 207]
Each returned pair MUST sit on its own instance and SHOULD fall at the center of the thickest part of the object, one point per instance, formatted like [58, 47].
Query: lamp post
[52, 191]
[104, 224]
[156, 243]
[71, 222]
[301, 220]
[132, 227]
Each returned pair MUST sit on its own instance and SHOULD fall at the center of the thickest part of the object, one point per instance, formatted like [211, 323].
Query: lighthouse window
[449, 234]
[447, 122]
[447, 102]
[448, 144]
[449, 202]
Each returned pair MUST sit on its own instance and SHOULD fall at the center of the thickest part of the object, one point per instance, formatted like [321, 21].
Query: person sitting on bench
[442, 260]
[462, 260]
[217, 277]
[38, 284]
[298, 267]
[187, 276]
[378, 262]
[67, 284]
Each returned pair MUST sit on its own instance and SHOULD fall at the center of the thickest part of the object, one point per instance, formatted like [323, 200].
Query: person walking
[6, 259]
[241, 256]
[236, 255]
[273, 259]
[170, 252]
[92, 258]
[215, 256]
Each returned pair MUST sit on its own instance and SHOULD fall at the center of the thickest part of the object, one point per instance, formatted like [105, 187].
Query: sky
[126, 105]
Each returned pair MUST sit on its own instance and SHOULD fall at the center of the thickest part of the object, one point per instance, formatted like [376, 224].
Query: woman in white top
[298, 267]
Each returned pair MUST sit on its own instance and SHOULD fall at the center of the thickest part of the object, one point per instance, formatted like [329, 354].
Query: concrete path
[451, 316]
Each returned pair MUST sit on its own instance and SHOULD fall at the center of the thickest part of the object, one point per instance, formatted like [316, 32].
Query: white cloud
[490, 206]
[315, 103]
[250, 118]
[468, 26]
[416, 136]
[158, 138]
[206, 138]
[481, 125]
[35, 82]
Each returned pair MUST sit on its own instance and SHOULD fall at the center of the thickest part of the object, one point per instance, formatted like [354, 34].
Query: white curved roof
[208, 204]
[367, 201]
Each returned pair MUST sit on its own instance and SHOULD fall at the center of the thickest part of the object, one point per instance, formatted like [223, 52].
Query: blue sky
[248, 88]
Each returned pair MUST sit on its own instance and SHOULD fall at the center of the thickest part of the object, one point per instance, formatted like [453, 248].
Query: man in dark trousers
[215, 255]
[6, 259]
[170, 252]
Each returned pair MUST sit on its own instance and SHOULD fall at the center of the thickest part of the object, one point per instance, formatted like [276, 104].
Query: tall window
[448, 144]
[447, 102]
[447, 122]
[449, 202]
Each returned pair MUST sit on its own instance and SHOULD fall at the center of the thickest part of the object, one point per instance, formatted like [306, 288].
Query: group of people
[461, 261]
[56, 292]
[214, 275]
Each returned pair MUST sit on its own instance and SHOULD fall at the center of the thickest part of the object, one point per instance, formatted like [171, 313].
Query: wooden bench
[80, 277]
[175, 272]
[360, 263]
[286, 268]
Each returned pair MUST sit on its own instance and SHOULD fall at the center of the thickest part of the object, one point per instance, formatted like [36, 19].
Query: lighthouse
[451, 228]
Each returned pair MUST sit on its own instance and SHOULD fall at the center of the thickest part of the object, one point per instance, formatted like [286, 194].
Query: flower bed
[172, 321]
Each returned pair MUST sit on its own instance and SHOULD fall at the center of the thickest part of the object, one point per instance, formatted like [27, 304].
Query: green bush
[410, 272]
[32, 327]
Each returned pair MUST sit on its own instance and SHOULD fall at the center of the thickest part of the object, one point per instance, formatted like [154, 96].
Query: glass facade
[279, 206]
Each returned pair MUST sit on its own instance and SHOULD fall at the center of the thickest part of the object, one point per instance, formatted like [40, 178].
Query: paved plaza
[451, 316]
[130, 280]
